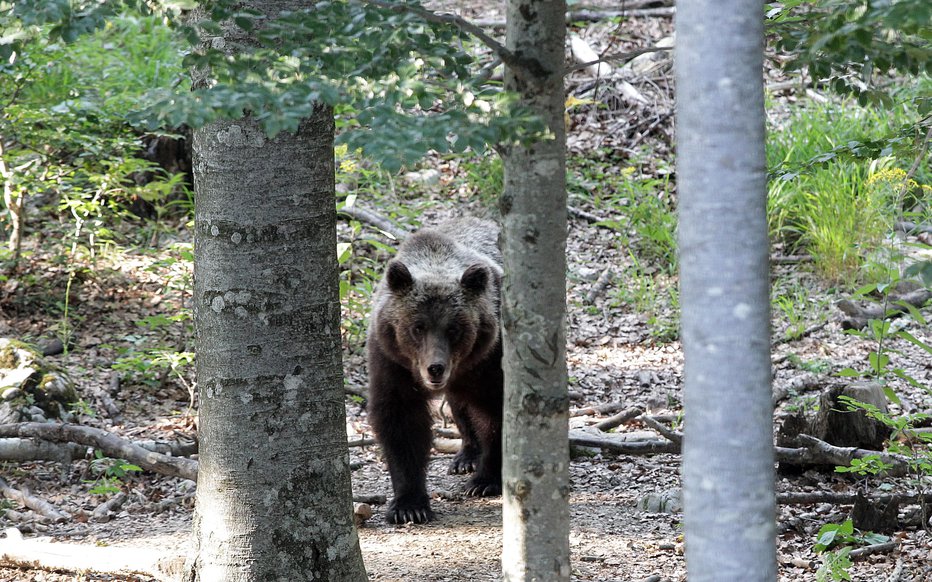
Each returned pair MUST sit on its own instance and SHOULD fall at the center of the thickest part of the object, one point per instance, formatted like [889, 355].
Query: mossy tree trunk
[728, 473]
[536, 456]
[273, 497]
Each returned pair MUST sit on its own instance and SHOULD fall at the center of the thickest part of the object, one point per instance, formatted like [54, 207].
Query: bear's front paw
[483, 487]
[409, 511]
[464, 462]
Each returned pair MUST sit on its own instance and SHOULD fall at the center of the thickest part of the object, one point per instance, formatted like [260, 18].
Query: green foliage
[844, 537]
[852, 43]
[64, 116]
[867, 465]
[399, 85]
[109, 474]
[486, 177]
[837, 208]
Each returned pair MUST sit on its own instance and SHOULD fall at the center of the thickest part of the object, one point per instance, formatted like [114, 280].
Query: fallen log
[618, 419]
[24, 450]
[107, 443]
[116, 561]
[40, 506]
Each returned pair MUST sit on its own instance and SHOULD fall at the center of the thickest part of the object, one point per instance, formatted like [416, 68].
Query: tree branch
[506, 56]
[109, 444]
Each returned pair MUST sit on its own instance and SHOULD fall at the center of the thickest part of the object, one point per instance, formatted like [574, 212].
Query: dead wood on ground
[40, 506]
[107, 443]
[116, 561]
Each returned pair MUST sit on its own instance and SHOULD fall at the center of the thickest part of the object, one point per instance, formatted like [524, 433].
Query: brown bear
[435, 329]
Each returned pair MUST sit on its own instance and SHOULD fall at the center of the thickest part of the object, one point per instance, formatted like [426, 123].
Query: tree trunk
[728, 452]
[536, 457]
[269, 371]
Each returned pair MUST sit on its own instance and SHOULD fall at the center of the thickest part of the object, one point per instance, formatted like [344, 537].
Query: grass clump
[839, 208]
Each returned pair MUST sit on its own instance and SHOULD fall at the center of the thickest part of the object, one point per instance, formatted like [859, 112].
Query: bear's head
[442, 325]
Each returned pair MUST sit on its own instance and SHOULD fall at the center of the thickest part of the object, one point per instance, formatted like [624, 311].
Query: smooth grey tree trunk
[728, 471]
[273, 496]
[535, 468]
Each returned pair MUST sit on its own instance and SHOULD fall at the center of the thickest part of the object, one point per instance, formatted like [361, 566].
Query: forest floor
[617, 354]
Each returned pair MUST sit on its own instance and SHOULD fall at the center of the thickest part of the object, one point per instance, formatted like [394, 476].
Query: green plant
[812, 366]
[867, 465]
[831, 194]
[109, 474]
[841, 538]
[485, 176]
[654, 294]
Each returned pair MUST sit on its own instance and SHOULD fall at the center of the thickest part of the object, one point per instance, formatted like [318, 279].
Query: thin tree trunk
[728, 473]
[273, 496]
[536, 458]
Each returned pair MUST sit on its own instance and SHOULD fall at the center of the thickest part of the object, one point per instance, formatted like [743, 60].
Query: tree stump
[836, 424]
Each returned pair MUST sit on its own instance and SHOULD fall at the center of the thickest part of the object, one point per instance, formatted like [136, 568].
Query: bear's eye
[418, 329]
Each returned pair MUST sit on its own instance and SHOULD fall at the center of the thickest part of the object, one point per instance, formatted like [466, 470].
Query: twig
[88, 559]
[872, 549]
[102, 512]
[376, 220]
[920, 156]
[580, 213]
[40, 506]
[599, 286]
[614, 58]
[373, 499]
[598, 409]
[361, 443]
[618, 419]
[672, 435]
[812, 497]
[626, 447]
[503, 53]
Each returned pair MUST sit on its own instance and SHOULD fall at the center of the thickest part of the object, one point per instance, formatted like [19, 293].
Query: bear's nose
[436, 372]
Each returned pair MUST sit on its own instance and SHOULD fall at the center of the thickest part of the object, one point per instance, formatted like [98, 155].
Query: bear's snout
[435, 375]
[435, 371]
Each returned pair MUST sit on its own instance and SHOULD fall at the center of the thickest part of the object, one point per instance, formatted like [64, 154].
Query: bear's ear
[475, 279]
[399, 277]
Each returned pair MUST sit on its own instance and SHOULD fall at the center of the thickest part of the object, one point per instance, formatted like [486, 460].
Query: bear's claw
[411, 514]
[476, 488]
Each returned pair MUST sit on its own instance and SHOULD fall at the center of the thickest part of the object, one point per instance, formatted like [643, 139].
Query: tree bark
[535, 469]
[267, 315]
[728, 453]
[273, 496]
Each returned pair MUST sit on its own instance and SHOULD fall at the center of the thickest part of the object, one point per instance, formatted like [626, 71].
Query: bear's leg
[467, 459]
[487, 480]
[402, 422]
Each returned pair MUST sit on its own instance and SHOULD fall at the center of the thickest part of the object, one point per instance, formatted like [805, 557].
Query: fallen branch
[598, 409]
[859, 313]
[599, 286]
[912, 228]
[618, 419]
[872, 549]
[40, 506]
[117, 561]
[666, 432]
[583, 214]
[812, 497]
[374, 219]
[818, 452]
[649, 447]
[102, 512]
[24, 450]
[107, 443]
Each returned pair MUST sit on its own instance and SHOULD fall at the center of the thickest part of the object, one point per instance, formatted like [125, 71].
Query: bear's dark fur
[435, 328]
